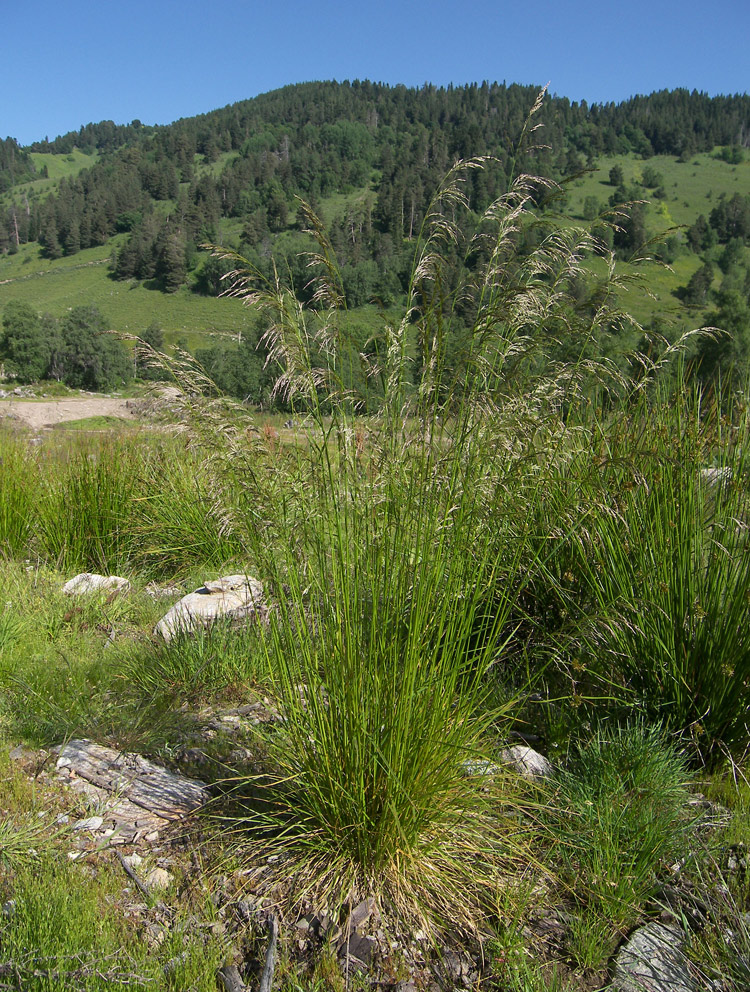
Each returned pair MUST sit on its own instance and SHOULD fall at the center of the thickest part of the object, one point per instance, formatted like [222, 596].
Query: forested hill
[248, 160]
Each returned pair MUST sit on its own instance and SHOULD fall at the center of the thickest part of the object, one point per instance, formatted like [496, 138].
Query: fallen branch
[141, 885]
[231, 979]
[266, 978]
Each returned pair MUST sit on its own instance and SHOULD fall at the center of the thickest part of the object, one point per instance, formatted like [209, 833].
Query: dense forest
[168, 189]
[315, 139]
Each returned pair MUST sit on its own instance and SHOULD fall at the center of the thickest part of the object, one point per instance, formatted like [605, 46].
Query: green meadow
[456, 559]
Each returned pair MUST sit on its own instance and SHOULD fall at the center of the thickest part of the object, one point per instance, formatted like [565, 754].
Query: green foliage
[618, 815]
[18, 495]
[697, 290]
[732, 154]
[591, 208]
[77, 350]
[83, 514]
[465, 497]
[205, 663]
[651, 177]
[395, 603]
[89, 358]
[63, 932]
[669, 575]
[726, 354]
[25, 349]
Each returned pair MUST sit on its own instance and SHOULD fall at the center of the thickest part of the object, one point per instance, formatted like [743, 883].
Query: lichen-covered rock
[233, 596]
[88, 582]
[653, 961]
[134, 797]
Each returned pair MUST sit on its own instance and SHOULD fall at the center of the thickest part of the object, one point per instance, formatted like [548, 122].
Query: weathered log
[139, 794]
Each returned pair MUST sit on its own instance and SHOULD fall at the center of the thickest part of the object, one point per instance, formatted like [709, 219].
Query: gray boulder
[233, 596]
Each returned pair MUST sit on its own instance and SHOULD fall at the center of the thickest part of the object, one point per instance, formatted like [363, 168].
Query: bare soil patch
[46, 413]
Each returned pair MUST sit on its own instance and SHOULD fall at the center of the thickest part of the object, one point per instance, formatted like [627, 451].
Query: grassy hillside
[691, 188]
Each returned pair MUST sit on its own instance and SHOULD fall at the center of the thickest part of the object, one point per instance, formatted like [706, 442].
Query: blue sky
[69, 62]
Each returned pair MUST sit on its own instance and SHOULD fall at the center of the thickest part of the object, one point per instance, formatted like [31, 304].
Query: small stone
[359, 950]
[361, 913]
[92, 823]
[155, 934]
[133, 861]
[158, 878]
[88, 582]
[527, 762]
[240, 755]
[245, 910]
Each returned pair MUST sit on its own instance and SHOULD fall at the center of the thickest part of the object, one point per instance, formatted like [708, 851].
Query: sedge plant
[665, 569]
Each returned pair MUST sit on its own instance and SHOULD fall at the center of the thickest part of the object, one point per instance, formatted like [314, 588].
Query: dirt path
[46, 413]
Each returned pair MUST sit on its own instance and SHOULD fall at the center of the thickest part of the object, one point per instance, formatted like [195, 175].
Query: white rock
[231, 583]
[234, 596]
[526, 761]
[133, 861]
[158, 878]
[717, 477]
[88, 582]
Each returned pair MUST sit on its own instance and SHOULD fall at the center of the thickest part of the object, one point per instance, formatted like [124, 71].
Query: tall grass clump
[395, 548]
[18, 493]
[84, 510]
[666, 571]
[177, 516]
[618, 816]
